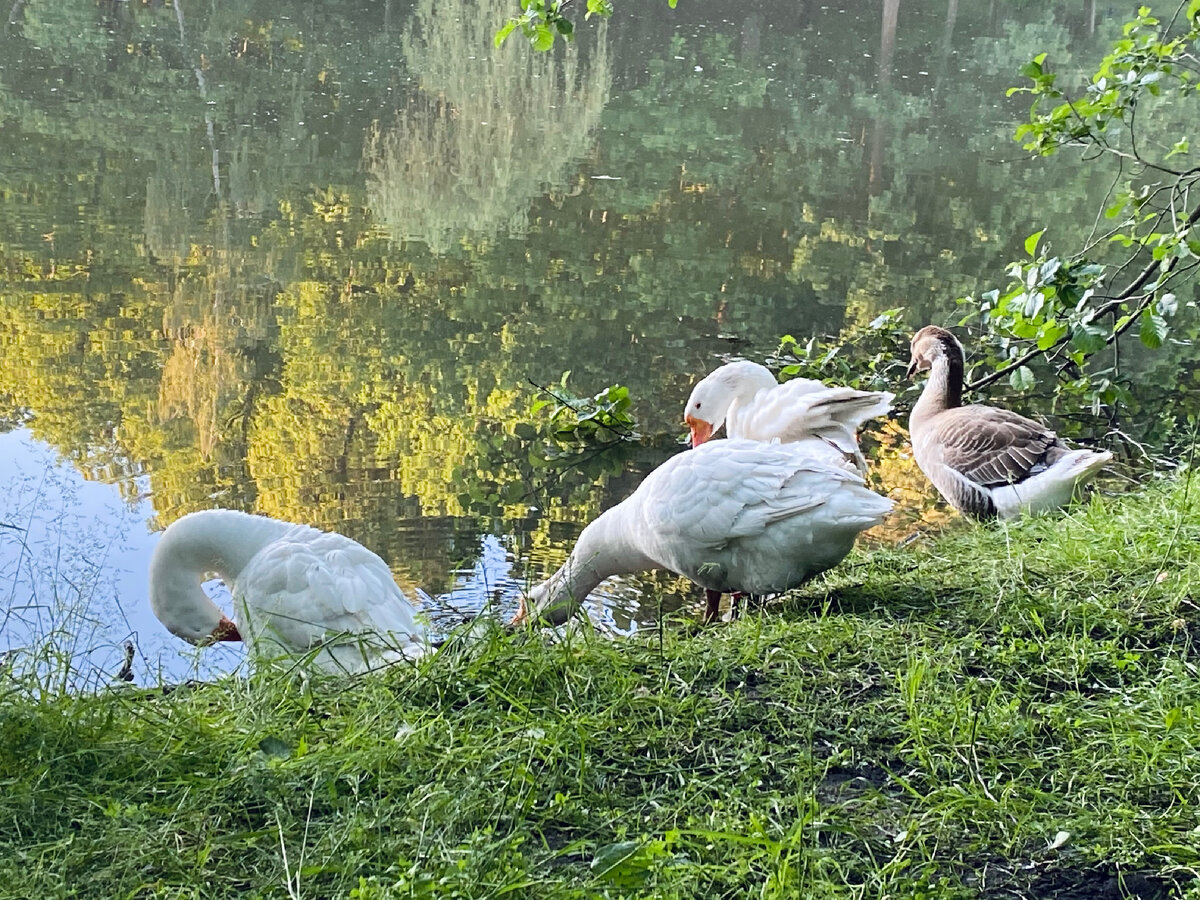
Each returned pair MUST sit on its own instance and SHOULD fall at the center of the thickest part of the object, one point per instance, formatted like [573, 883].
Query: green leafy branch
[869, 357]
[571, 424]
[542, 21]
[1065, 309]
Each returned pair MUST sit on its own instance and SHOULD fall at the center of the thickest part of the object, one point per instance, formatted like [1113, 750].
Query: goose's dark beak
[225, 631]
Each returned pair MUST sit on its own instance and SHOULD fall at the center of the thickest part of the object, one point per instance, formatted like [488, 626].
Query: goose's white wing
[721, 491]
[803, 408]
[313, 590]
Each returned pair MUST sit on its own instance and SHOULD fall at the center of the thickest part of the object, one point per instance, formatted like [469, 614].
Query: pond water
[314, 265]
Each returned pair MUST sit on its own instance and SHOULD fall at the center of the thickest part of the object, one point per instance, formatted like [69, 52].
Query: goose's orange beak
[701, 430]
[522, 615]
[225, 631]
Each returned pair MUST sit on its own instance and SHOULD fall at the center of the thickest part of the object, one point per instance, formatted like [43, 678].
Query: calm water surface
[312, 265]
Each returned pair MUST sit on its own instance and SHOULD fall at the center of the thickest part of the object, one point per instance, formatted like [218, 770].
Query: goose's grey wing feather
[965, 495]
[992, 446]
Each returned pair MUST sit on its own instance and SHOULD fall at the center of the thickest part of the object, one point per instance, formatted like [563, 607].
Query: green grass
[922, 723]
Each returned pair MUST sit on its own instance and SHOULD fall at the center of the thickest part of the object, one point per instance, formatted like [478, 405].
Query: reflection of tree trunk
[887, 41]
[948, 34]
[1089, 16]
[203, 86]
[15, 12]
[878, 136]
[751, 36]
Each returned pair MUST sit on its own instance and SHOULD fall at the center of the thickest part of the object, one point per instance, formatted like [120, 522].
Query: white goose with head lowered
[297, 591]
[986, 461]
[732, 515]
[746, 398]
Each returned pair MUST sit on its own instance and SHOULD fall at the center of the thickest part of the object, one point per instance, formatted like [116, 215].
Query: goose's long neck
[221, 541]
[608, 546]
[943, 390]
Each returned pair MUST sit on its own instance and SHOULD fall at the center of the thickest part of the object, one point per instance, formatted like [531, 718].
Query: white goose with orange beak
[745, 397]
[733, 516]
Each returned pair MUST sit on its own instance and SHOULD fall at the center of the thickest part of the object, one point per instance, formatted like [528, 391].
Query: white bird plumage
[749, 401]
[297, 591]
[732, 515]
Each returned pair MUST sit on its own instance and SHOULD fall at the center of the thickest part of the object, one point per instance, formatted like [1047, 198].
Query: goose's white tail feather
[1051, 488]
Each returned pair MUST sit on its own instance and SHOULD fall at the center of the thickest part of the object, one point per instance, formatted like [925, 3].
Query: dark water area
[313, 265]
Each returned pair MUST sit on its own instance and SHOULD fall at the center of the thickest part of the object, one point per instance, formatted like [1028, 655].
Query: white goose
[296, 591]
[986, 461]
[732, 515]
[747, 399]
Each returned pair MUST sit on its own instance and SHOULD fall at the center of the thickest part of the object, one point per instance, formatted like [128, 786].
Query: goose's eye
[697, 404]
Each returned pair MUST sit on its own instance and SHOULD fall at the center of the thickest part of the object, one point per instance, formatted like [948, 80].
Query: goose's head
[187, 613]
[199, 628]
[549, 602]
[713, 395]
[930, 344]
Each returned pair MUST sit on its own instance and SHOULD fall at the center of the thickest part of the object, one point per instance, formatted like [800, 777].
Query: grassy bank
[1002, 712]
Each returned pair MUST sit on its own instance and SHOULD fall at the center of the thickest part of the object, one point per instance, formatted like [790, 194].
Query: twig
[126, 672]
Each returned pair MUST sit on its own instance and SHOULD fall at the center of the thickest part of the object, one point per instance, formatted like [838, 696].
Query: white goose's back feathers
[752, 517]
[320, 592]
[803, 408]
[753, 406]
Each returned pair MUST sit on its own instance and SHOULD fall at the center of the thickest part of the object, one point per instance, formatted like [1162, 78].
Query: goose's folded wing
[318, 585]
[992, 446]
[736, 490]
[965, 495]
[803, 408]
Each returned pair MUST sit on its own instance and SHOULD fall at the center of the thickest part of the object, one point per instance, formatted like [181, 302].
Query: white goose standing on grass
[297, 591]
[733, 516]
[986, 461]
[746, 398]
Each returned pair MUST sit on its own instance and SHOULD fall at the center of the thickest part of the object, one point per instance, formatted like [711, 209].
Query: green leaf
[1033, 68]
[1089, 338]
[1153, 330]
[626, 864]
[275, 747]
[612, 856]
[543, 37]
[1022, 379]
[1031, 242]
[1052, 333]
[505, 30]
[1115, 210]
[1181, 146]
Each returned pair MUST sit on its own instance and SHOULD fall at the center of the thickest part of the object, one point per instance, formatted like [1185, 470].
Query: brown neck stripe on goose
[952, 352]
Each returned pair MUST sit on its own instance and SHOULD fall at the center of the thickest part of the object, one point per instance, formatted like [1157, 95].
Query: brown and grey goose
[986, 461]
